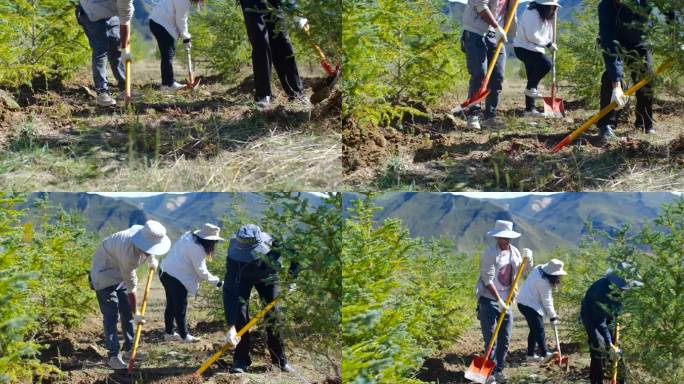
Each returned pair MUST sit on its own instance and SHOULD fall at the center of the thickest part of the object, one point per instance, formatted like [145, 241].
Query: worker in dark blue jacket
[600, 307]
[622, 35]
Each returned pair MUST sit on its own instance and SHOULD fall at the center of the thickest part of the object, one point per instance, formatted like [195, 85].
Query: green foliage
[39, 39]
[403, 298]
[396, 54]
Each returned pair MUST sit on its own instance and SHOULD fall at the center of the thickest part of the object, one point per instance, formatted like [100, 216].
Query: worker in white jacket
[114, 279]
[533, 37]
[181, 272]
[536, 301]
[168, 23]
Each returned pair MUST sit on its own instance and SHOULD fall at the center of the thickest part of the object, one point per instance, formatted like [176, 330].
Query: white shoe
[171, 89]
[104, 99]
[533, 359]
[534, 113]
[172, 337]
[115, 362]
[190, 339]
[264, 102]
[473, 122]
[533, 93]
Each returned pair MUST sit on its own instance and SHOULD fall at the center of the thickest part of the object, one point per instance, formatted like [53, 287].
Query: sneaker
[548, 356]
[606, 134]
[650, 131]
[115, 362]
[533, 93]
[493, 122]
[500, 377]
[264, 102]
[533, 113]
[300, 99]
[533, 359]
[238, 367]
[139, 355]
[120, 96]
[190, 339]
[172, 337]
[473, 122]
[104, 99]
[286, 367]
[171, 89]
[490, 380]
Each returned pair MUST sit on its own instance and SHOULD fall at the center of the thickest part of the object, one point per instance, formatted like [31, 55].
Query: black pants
[176, 304]
[239, 280]
[167, 50]
[536, 337]
[537, 65]
[639, 59]
[270, 44]
[599, 357]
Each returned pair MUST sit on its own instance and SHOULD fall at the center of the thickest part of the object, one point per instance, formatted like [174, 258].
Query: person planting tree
[599, 310]
[499, 265]
[106, 23]
[252, 262]
[181, 272]
[483, 22]
[265, 23]
[533, 37]
[114, 279]
[536, 300]
[168, 23]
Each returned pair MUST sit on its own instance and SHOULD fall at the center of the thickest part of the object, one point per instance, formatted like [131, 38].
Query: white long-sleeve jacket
[186, 262]
[173, 16]
[116, 260]
[104, 9]
[536, 293]
[533, 33]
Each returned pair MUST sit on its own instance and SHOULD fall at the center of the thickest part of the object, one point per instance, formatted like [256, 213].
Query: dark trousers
[488, 314]
[479, 51]
[639, 59]
[599, 356]
[167, 50]
[270, 45]
[537, 65]
[536, 337]
[115, 307]
[239, 280]
[176, 304]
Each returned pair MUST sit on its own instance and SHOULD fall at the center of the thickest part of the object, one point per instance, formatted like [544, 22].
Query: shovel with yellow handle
[482, 366]
[613, 377]
[242, 331]
[138, 328]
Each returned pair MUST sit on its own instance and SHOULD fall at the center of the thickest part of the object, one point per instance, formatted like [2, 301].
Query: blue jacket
[623, 24]
[599, 308]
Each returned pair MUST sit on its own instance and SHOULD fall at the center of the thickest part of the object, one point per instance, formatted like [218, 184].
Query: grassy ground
[211, 139]
[81, 354]
[438, 152]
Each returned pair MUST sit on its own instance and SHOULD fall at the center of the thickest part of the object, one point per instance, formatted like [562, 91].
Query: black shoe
[238, 367]
[606, 134]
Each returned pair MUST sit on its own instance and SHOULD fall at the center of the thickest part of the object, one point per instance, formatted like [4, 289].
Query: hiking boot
[171, 89]
[238, 367]
[286, 367]
[172, 337]
[300, 99]
[533, 113]
[606, 134]
[500, 377]
[533, 93]
[473, 122]
[533, 359]
[104, 99]
[115, 362]
[190, 339]
[264, 102]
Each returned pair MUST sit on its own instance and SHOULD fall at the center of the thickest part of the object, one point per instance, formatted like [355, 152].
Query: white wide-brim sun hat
[548, 2]
[209, 232]
[554, 268]
[151, 238]
[503, 228]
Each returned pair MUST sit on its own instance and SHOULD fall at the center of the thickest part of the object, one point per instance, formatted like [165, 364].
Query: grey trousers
[488, 314]
[479, 50]
[114, 306]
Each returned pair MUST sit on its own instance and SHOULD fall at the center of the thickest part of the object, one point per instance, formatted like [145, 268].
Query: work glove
[301, 22]
[554, 320]
[614, 352]
[219, 284]
[153, 263]
[501, 34]
[552, 47]
[232, 337]
[502, 305]
[292, 287]
[527, 254]
[126, 57]
[138, 319]
[618, 97]
[187, 44]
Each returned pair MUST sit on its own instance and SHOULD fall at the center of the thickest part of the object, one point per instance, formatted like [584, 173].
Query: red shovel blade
[474, 99]
[553, 106]
[480, 369]
[193, 84]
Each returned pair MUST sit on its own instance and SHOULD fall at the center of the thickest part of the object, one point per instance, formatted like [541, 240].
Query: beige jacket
[116, 261]
[473, 22]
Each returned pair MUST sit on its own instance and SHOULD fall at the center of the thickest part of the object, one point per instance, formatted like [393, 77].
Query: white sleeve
[546, 296]
[182, 8]
[532, 23]
[199, 262]
[125, 8]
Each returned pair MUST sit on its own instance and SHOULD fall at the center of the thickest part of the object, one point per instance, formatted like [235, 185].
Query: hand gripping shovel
[192, 81]
[138, 328]
[553, 107]
[483, 91]
[482, 366]
[241, 332]
[562, 361]
[569, 138]
[613, 376]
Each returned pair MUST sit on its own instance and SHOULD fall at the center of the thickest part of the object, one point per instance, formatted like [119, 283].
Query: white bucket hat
[209, 232]
[151, 238]
[554, 268]
[503, 228]
[548, 2]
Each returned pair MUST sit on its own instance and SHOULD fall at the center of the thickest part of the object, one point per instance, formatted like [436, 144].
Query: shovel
[138, 328]
[323, 90]
[241, 332]
[482, 366]
[192, 81]
[553, 107]
[483, 91]
[558, 356]
[127, 82]
[613, 377]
